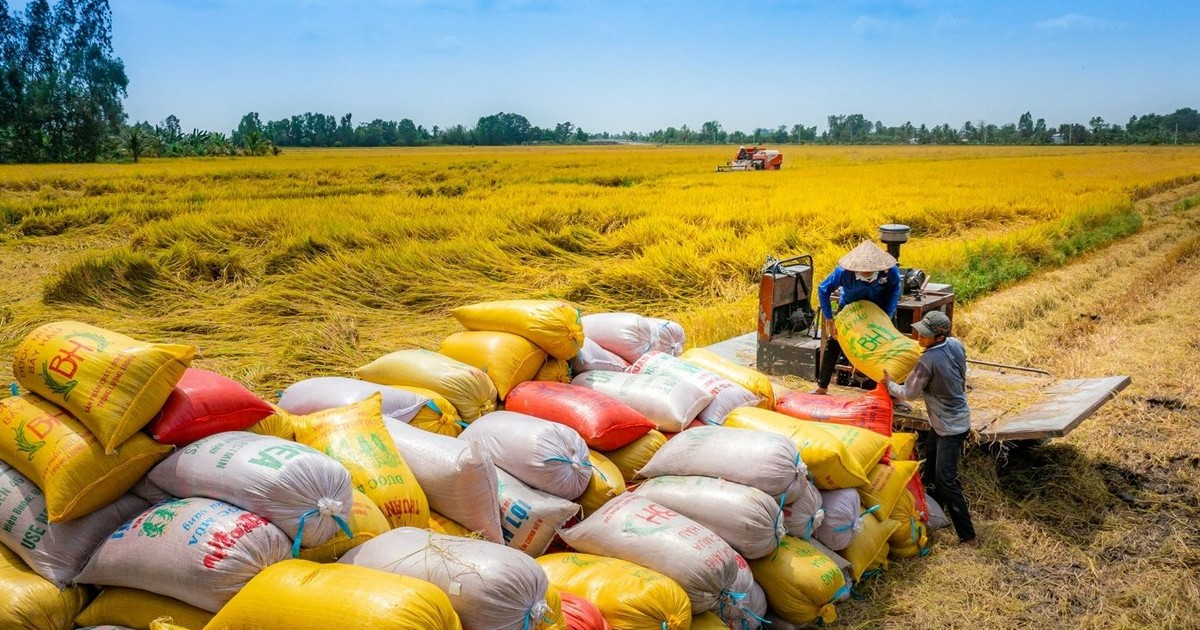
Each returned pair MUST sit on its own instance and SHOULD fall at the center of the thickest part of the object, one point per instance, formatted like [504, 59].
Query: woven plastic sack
[366, 521]
[300, 490]
[668, 336]
[438, 415]
[708, 621]
[868, 545]
[553, 325]
[726, 394]
[633, 457]
[55, 551]
[29, 602]
[548, 456]
[633, 528]
[582, 614]
[626, 335]
[630, 597]
[302, 595]
[872, 410]
[65, 460]
[457, 476]
[554, 619]
[204, 403]
[327, 392]
[802, 517]
[842, 564]
[765, 461]
[490, 586]
[507, 359]
[530, 518]
[356, 436]
[903, 444]
[836, 455]
[753, 380]
[138, 609]
[843, 517]
[667, 402]
[909, 540]
[442, 525]
[604, 422]
[801, 583]
[749, 612]
[166, 623]
[594, 357]
[887, 483]
[278, 424]
[916, 492]
[872, 344]
[465, 386]
[113, 384]
[745, 517]
[937, 516]
[554, 371]
[199, 551]
[605, 485]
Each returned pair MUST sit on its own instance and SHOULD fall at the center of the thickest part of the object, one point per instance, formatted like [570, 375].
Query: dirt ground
[1101, 528]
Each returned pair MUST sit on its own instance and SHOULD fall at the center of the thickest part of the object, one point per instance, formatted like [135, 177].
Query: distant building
[1058, 138]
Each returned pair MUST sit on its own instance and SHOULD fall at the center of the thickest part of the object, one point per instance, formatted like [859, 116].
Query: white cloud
[1072, 21]
[866, 25]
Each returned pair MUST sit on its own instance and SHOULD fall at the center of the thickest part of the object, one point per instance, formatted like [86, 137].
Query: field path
[1101, 528]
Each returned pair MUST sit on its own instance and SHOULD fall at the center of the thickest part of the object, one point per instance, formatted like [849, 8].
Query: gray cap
[935, 323]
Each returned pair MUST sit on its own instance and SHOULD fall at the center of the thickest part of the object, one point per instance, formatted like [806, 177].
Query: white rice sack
[593, 357]
[727, 395]
[803, 514]
[668, 336]
[750, 612]
[458, 477]
[199, 551]
[842, 563]
[669, 403]
[767, 461]
[937, 516]
[747, 518]
[55, 551]
[149, 492]
[530, 518]
[637, 530]
[490, 586]
[326, 392]
[543, 454]
[299, 489]
[627, 335]
[843, 517]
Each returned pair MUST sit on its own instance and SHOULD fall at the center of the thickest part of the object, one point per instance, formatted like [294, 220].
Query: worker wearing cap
[866, 273]
[940, 376]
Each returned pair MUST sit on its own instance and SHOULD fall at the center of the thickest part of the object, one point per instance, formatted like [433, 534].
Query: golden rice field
[316, 261]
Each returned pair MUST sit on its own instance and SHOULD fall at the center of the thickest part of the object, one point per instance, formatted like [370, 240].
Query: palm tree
[135, 142]
[256, 143]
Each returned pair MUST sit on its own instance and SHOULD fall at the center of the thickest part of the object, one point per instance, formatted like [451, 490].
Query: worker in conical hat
[866, 273]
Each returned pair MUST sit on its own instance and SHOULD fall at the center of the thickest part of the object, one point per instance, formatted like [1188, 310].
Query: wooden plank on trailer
[1062, 407]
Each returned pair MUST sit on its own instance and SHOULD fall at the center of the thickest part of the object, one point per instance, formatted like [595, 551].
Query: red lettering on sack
[400, 507]
[66, 362]
[656, 514]
[222, 541]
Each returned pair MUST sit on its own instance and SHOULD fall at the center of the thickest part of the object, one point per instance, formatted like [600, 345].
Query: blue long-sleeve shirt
[884, 291]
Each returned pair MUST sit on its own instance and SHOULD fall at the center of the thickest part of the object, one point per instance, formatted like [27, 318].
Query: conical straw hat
[867, 257]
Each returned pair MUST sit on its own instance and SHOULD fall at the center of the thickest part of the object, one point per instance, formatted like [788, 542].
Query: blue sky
[618, 65]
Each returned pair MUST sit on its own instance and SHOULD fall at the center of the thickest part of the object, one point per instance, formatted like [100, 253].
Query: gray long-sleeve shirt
[940, 376]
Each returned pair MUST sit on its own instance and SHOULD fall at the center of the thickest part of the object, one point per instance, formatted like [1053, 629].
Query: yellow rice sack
[443, 525]
[869, 547]
[167, 623]
[134, 608]
[629, 596]
[555, 371]
[66, 461]
[554, 326]
[751, 379]
[439, 416]
[910, 540]
[553, 620]
[507, 359]
[114, 385]
[465, 386]
[278, 424]
[30, 602]
[709, 621]
[835, 454]
[872, 344]
[366, 522]
[356, 436]
[607, 483]
[634, 456]
[903, 444]
[801, 583]
[303, 595]
[886, 482]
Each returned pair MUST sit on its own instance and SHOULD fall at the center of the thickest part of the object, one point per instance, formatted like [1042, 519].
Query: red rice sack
[871, 411]
[204, 403]
[199, 551]
[604, 423]
[582, 614]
